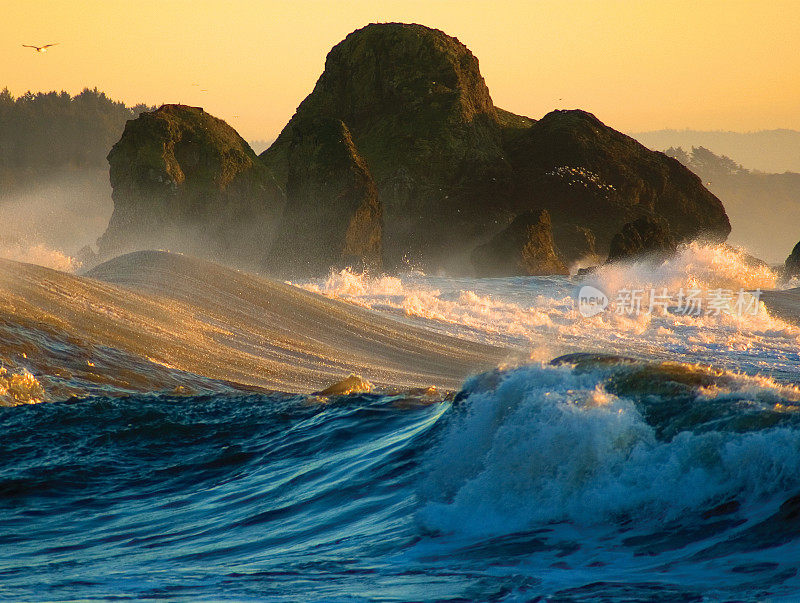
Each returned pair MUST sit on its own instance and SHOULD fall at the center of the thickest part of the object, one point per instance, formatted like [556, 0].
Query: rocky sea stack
[186, 181]
[399, 157]
[421, 117]
[589, 176]
[333, 218]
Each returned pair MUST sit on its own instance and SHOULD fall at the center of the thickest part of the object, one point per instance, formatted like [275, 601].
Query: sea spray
[39, 254]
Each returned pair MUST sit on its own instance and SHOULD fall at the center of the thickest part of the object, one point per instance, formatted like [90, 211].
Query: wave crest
[694, 265]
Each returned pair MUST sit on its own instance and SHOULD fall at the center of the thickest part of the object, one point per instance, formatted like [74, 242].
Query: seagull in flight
[40, 48]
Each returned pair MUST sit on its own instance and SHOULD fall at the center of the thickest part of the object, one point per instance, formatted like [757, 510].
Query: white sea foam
[695, 265]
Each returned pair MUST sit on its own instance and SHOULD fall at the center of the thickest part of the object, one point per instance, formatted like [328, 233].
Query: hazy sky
[638, 64]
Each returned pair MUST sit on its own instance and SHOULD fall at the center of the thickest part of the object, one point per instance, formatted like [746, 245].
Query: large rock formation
[591, 176]
[524, 248]
[332, 217]
[186, 181]
[398, 156]
[421, 116]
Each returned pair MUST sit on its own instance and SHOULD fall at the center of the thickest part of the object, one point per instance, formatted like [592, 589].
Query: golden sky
[638, 64]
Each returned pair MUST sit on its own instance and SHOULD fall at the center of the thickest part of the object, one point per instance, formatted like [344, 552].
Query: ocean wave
[602, 446]
[559, 481]
[694, 265]
[155, 321]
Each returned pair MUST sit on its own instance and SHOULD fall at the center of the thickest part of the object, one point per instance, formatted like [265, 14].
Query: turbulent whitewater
[161, 437]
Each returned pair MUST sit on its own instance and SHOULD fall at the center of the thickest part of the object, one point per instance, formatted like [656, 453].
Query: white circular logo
[591, 301]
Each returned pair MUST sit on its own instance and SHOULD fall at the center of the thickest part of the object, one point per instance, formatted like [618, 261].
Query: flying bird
[40, 48]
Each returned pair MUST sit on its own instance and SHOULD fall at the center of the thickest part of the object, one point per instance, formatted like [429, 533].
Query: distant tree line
[705, 163]
[764, 209]
[46, 132]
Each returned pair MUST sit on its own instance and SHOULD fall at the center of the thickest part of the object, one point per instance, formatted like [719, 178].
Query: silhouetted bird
[40, 48]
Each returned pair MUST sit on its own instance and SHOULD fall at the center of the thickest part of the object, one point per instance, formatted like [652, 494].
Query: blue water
[549, 482]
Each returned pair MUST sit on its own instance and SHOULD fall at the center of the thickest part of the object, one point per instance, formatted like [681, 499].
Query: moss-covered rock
[397, 156]
[186, 181]
[452, 170]
[421, 116]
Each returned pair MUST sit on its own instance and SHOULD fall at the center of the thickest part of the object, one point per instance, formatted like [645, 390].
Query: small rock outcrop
[524, 248]
[792, 265]
[648, 238]
[332, 218]
[354, 384]
[186, 181]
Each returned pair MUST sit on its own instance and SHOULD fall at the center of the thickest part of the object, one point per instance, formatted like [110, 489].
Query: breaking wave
[622, 445]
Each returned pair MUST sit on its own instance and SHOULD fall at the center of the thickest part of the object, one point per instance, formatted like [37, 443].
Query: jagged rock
[186, 181]
[332, 216]
[589, 175]
[643, 238]
[524, 248]
[792, 265]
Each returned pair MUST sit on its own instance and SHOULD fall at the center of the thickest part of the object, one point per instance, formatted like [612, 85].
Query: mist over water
[50, 222]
